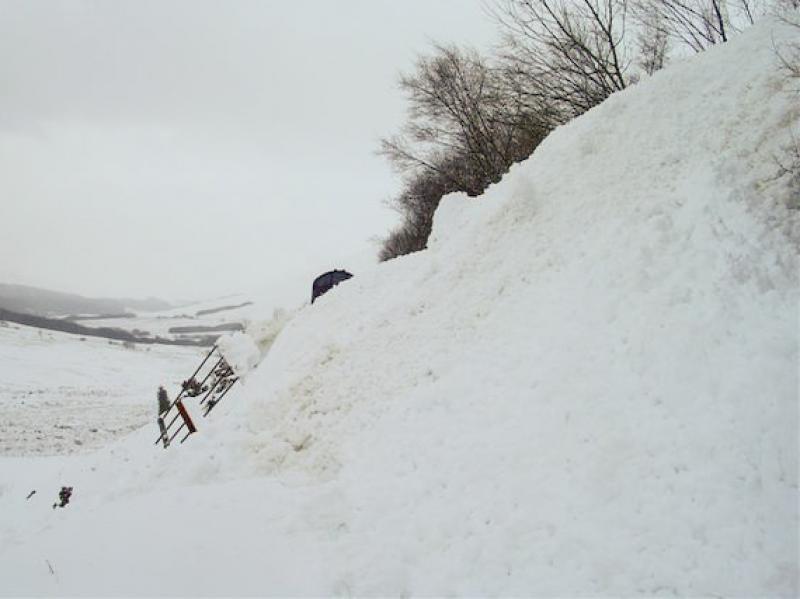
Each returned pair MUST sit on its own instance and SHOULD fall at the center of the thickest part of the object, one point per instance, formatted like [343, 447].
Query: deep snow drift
[587, 385]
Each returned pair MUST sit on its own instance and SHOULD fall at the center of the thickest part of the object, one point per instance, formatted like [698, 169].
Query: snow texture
[587, 385]
[62, 393]
[240, 352]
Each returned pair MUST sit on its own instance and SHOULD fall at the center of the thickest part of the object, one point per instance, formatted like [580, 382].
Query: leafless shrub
[465, 127]
[459, 108]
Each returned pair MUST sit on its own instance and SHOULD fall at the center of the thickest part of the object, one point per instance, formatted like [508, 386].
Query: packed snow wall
[589, 382]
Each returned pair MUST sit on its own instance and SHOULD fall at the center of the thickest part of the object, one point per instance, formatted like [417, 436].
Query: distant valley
[150, 320]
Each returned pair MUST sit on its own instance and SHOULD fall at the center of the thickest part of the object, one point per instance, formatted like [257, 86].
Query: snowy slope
[586, 385]
[62, 393]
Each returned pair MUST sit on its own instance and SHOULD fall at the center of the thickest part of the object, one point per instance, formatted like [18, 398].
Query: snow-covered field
[586, 386]
[241, 309]
[63, 394]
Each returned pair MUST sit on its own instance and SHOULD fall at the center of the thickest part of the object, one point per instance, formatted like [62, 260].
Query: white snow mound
[587, 385]
[240, 352]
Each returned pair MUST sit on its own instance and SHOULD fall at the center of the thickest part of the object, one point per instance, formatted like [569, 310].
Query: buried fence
[211, 383]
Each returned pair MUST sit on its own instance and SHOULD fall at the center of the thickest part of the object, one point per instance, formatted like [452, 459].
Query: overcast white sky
[193, 149]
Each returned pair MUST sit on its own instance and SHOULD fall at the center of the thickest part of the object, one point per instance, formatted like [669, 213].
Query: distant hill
[68, 326]
[34, 300]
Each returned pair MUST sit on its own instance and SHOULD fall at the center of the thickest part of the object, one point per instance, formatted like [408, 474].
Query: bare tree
[789, 55]
[417, 203]
[789, 52]
[652, 38]
[466, 126]
[697, 23]
[460, 109]
[569, 54]
[700, 24]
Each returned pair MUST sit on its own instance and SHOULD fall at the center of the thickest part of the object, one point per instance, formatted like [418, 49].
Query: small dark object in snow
[163, 401]
[193, 388]
[325, 282]
[31, 494]
[63, 497]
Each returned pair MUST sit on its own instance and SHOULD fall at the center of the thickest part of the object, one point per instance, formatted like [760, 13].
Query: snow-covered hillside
[62, 393]
[587, 385]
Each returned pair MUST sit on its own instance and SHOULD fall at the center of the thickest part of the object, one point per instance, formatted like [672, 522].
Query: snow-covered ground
[586, 386]
[63, 394]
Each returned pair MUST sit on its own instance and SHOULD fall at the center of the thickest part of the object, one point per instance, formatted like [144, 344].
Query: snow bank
[244, 350]
[586, 386]
[240, 352]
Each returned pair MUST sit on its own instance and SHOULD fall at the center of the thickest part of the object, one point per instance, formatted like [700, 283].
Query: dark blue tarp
[325, 282]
